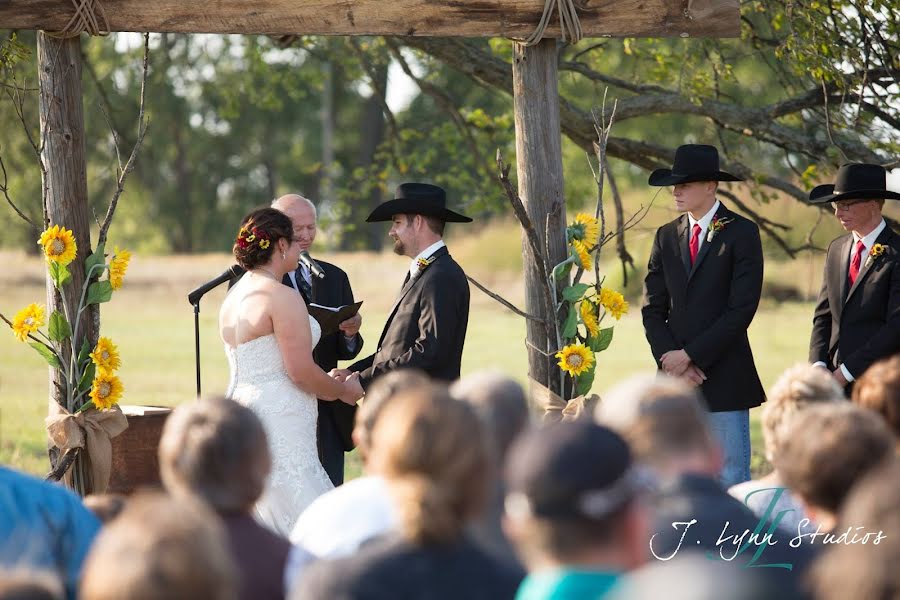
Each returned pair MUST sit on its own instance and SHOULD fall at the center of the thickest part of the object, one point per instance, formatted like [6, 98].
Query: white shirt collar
[426, 253]
[869, 240]
[704, 220]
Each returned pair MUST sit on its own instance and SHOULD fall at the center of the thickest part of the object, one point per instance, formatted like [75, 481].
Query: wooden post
[540, 178]
[65, 181]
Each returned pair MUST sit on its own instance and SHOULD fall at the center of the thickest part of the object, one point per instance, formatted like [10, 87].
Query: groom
[426, 327]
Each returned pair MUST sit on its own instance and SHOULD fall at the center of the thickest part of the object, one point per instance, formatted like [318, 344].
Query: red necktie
[855, 260]
[695, 242]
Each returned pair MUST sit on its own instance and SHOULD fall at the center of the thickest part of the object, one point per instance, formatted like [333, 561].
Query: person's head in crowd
[377, 397]
[573, 499]
[827, 451]
[215, 449]
[105, 507]
[665, 423]
[433, 453]
[692, 576]
[878, 389]
[30, 584]
[865, 571]
[160, 548]
[500, 403]
[302, 213]
[800, 386]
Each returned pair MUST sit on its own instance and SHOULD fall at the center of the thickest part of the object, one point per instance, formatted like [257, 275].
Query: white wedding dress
[260, 382]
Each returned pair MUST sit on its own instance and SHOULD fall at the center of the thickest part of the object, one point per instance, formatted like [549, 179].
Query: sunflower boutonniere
[876, 251]
[715, 226]
[423, 263]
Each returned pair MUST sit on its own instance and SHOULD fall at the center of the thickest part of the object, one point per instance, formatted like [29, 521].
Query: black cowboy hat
[858, 181]
[417, 199]
[693, 162]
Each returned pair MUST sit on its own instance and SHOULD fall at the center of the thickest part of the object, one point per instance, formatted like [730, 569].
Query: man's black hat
[857, 181]
[693, 162]
[417, 199]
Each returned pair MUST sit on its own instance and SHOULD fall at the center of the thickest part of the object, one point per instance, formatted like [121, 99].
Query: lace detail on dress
[289, 414]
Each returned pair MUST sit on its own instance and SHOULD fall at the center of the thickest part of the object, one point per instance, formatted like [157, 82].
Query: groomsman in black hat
[702, 289]
[426, 327]
[857, 318]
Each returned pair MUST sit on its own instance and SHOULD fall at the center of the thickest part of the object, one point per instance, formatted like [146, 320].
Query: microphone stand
[194, 297]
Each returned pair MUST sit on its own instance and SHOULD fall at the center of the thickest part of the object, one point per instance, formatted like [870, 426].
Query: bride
[269, 337]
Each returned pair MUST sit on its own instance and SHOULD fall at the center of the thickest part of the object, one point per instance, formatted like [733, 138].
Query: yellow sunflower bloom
[575, 359]
[106, 391]
[28, 320]
[106, 356]
[59, 245]
[584, 257]
[117, 267]
[591, 228]
[613, 302]
[590, 318]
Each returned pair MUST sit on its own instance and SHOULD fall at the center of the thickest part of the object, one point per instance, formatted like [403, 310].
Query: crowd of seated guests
[464, 495]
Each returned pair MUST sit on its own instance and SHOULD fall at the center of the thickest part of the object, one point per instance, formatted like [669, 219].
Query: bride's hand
[352, 390]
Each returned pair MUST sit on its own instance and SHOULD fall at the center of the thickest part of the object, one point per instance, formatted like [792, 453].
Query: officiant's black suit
[859, 324]
[335, 417]
[426, 328]
[706, 309]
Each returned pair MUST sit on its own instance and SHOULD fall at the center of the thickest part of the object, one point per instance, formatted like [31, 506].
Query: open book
[330, 317]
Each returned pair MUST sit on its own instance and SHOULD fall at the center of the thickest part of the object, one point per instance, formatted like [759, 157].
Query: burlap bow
[92, 430]
[555, 409]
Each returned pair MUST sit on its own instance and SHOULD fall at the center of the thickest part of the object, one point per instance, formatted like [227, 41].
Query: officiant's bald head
[302, 213]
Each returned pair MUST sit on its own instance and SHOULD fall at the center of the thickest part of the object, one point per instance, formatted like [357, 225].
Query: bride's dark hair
[259, 235]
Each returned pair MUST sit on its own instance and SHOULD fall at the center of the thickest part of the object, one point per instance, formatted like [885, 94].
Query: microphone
[232, 272]
[312, 265]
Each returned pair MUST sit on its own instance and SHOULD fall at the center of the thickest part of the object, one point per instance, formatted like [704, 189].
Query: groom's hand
[340, 374]
[350, 327]
[675, 362]
[354, 390]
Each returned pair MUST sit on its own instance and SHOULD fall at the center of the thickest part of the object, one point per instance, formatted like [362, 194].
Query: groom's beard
[399, 248]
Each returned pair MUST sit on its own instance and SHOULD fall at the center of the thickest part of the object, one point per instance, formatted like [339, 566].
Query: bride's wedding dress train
[259, 381]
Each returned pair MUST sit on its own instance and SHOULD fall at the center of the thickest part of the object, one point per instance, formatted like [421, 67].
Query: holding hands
[353, 389]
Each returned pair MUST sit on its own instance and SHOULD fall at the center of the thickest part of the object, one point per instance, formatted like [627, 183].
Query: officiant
[336, 419]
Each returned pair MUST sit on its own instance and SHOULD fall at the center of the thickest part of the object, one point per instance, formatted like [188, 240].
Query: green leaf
[59, 273]
[84, 353]
[58, 328]
[95, 259]
[46, 352]
[571, 324]
[602, 340]
[99, 292]
[574, 293]
[563, 271]
[586, 380]
[87, 378]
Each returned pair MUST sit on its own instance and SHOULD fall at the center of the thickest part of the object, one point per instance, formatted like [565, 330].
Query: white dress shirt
[426, 253]
[704, 222]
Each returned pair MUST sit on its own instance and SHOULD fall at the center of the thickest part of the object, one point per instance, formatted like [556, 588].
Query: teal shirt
[567, 584]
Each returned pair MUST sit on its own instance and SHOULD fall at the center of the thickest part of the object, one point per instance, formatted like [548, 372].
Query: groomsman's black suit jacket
[426, 328]
[335, 417]
[860, 324]
[707, 309]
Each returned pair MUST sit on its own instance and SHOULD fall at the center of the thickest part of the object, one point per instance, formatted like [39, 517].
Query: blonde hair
[160, 548]
[432, 450]
[799, 387]
[879, 389]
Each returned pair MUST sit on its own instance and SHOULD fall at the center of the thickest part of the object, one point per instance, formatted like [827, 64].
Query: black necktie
[305, 287]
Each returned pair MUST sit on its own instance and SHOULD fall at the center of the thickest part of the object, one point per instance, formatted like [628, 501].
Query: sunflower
[584, 257]
[590, 318]
[575, 359]
[59, 245]
[106, 356]
[587, 229]
[28, 320]
[106, 391]
[613, 302]
[117, 267]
